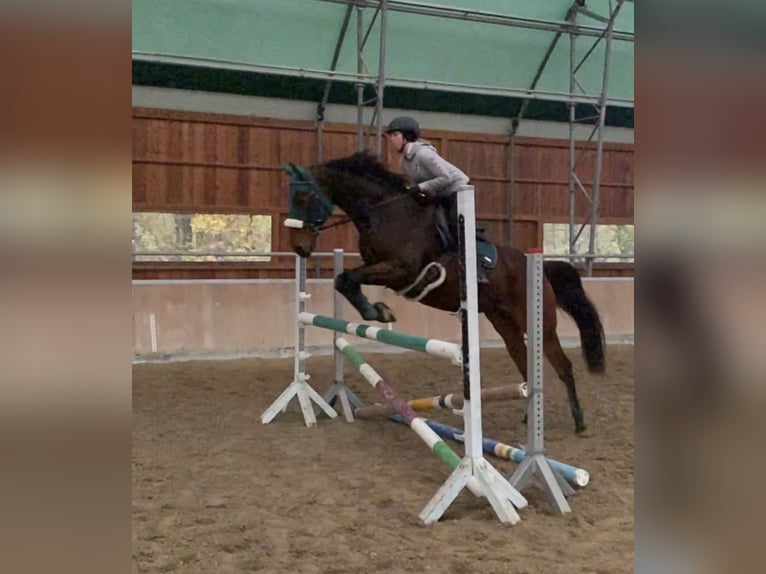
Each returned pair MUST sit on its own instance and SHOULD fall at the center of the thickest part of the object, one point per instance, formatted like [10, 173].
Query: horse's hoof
[385, 314]
[369, 314]
[582, 430]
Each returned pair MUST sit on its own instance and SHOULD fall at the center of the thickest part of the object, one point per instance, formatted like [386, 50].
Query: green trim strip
[304, 89]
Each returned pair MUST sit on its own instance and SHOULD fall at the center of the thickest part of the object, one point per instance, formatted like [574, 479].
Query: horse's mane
[365, 164]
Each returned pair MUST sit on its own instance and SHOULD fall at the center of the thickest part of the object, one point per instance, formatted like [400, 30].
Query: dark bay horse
[398, 239]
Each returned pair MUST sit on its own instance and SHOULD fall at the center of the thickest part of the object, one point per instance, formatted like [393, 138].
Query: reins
[346, 219]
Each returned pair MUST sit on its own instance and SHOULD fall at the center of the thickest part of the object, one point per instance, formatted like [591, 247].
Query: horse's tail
[571, 297]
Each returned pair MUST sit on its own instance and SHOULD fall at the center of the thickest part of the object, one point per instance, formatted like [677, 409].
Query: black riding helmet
[409, 127]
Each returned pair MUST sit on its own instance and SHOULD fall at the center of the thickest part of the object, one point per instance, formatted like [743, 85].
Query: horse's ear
[305, 174]
[292, 170]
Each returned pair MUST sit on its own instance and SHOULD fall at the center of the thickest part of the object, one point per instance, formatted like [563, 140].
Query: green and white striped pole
[436, 347]
[437, 445]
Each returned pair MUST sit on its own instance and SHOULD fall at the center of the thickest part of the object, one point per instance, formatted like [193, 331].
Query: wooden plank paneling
[614, 203]
[526, 234]
[217, 163]
[479, 159]
[555, 198]
[526, 199]
[139, 177]
[491, 199]
[299, 146]
[337, 145]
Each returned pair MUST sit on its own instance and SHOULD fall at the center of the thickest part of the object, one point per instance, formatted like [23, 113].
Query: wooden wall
[197, 162]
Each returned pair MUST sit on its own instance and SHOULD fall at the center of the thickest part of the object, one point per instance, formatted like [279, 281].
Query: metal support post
[381, 85]
[359, 85]
[380, 79]
[510, 158]
[525, 103]
[572, 149]
[328, 85]
[535, 464]
[600, 143]
[575, 182]
[348, 400]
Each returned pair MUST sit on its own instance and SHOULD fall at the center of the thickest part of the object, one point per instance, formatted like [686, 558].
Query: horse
[402, 250]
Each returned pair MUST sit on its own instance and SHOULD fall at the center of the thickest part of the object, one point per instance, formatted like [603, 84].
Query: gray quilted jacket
[430, 171]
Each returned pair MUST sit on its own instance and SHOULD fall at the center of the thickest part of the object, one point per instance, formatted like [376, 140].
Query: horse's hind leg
[512, 337]
[563, 366]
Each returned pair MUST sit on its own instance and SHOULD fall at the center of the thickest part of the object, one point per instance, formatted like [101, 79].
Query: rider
[436, 179]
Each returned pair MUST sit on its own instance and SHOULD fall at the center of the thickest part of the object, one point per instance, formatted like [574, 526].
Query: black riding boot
[450, 206]
[445, 230]
[481, 273]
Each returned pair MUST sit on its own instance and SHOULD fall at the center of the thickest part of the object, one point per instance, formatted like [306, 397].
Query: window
[200, 237]
[615, 240]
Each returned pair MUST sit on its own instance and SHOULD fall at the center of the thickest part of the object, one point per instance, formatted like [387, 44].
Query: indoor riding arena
[254, 449]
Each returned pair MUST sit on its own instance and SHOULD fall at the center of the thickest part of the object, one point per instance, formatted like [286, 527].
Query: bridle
[320, 207]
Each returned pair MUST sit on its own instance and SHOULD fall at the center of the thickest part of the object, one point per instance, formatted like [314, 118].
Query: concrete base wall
[207, 319]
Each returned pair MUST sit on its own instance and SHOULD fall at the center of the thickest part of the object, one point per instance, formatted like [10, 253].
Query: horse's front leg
[386, 273]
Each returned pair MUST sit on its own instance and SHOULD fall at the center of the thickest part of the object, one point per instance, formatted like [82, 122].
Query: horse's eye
[302, 199]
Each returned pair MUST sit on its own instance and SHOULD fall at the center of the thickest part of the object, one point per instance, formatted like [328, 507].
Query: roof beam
[499, 19]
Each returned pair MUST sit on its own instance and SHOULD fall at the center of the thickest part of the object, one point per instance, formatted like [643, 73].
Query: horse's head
[309, 209]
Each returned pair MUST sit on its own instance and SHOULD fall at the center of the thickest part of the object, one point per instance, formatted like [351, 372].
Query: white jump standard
[299, 387]
[498, 491]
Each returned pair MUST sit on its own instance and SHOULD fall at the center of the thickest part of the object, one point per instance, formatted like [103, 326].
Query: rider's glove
[421, 196]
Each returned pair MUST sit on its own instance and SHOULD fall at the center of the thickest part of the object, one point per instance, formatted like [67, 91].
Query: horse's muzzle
[303, 241]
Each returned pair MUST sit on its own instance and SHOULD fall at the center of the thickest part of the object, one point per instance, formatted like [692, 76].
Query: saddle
[486, 252]
[434, 274]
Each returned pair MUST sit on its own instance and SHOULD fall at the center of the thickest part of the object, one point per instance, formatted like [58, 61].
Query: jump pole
[299, 387]
[453, 401]
[535, 464]
[408, 416]
[436, 347]
[501, 495]
[578, 477]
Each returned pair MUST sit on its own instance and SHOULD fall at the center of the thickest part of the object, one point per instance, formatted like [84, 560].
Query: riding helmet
[404, 124]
